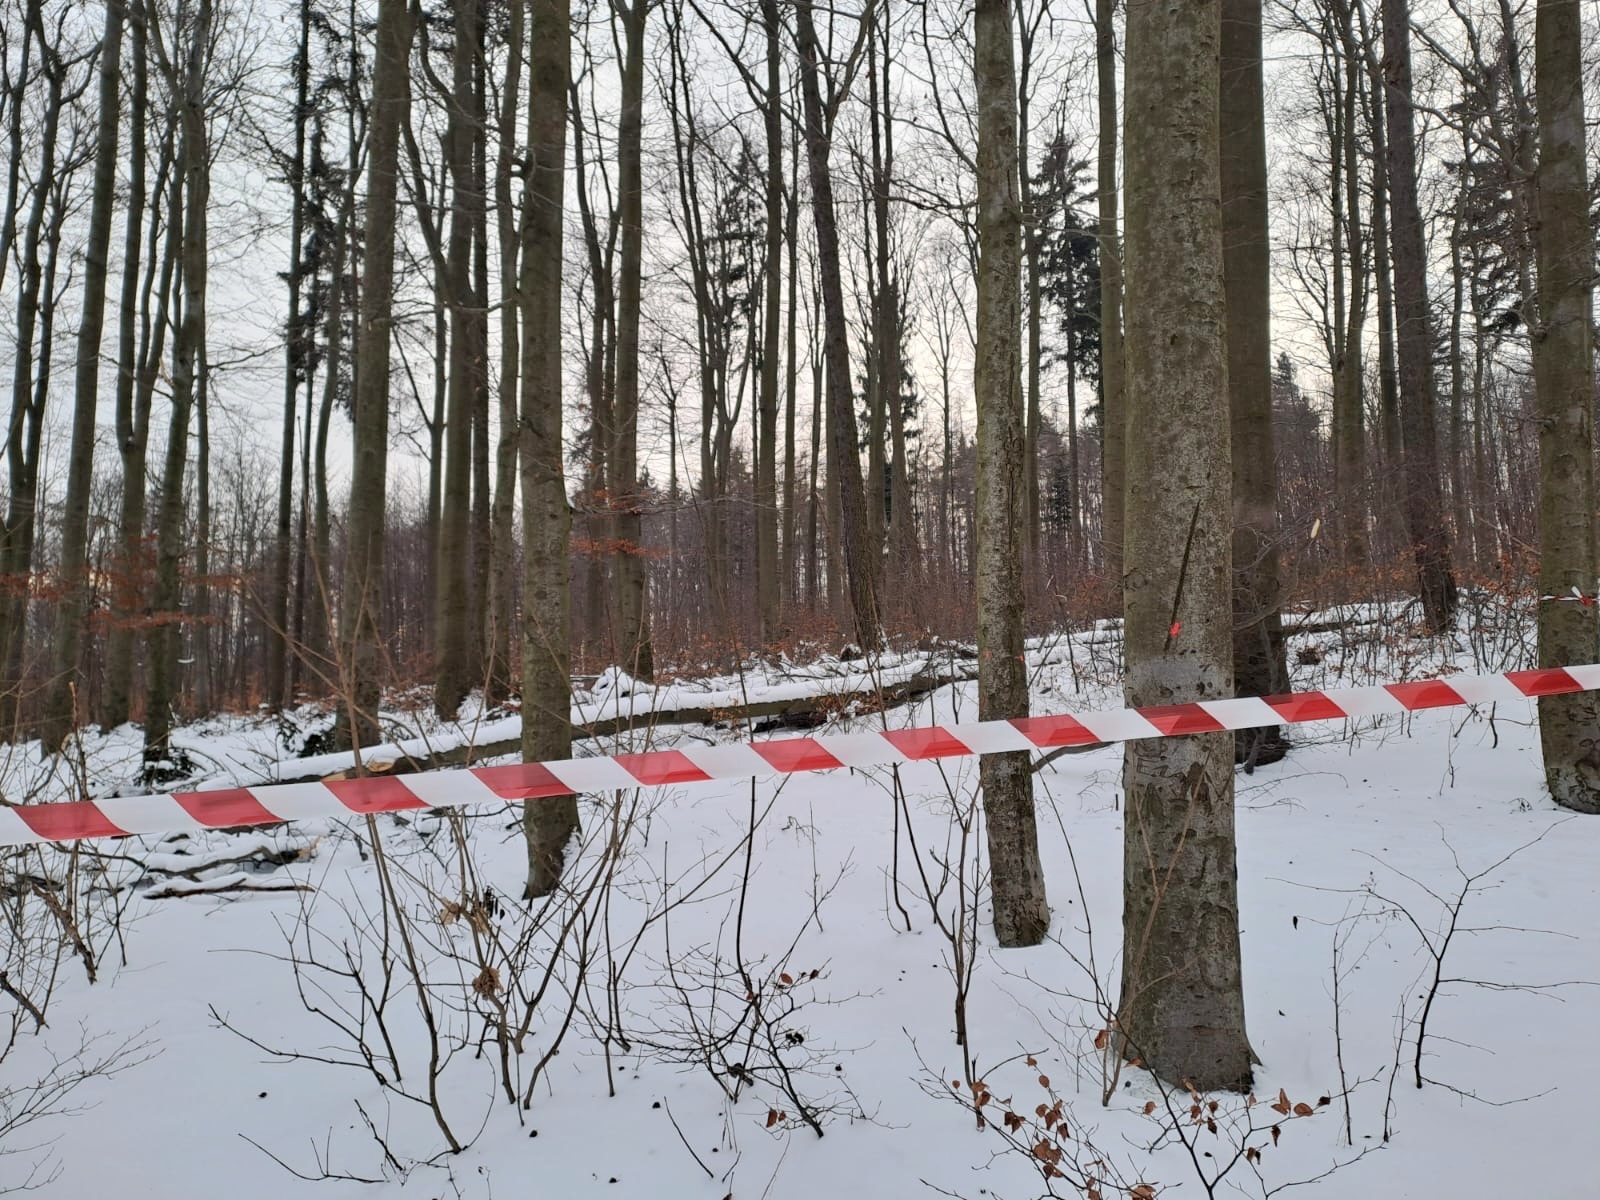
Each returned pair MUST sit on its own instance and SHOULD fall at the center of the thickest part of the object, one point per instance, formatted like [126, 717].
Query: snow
[1361, 840]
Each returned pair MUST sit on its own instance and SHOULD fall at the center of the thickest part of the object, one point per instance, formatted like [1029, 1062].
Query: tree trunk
[136, 381]
[1113, 397]
[1423, 501]
[119, 642]
[455, 663]
[787, 572]
[630, 581]
[768, 593]
[843, 462]
[1563, 356]
[25, 427]
[1021, 912]
[547, 522]
[1260, 666]
[1349, 434]
[296, 372]
[188, 351]
[361, 658]
[1034, 414]
[61, 705]
[502, 545]
[1181, 1007]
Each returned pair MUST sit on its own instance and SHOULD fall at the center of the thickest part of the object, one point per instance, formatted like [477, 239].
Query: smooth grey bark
[769, 594]
[61, 704]
[1021, 912]
[1027, 36]
[1563, 366]
[1422, 499]
[361, 656]
[1260, 663]
[502, 544]
[1181, 1005]
[1113, 399]
[630, 577]
[546, 519]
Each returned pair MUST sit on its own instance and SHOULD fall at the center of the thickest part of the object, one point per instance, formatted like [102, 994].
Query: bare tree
[631, 577]
[61, 705]
[1182, 998]
[1563, 362]
[1423, 498]
[361, 633]
[843, 463]
[1113, 398]
[1260, 666]
[546, 518]
[458, 663]
[189, 380]
[1021, 913]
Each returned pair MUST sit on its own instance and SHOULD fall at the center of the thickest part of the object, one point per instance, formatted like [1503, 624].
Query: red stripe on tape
[521, 781]
[1549, 681]
[374, 794]
[225, 808]
[1174, 720]
[1305, 706]
[661, 766]
[932, 742]
[68, 821]
[1425, 693]
[1059, 730]
[795, 754]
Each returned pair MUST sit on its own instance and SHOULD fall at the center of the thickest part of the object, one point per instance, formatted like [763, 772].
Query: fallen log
[764, 716]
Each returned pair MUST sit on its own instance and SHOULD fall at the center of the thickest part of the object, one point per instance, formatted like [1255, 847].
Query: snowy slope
[1333, 843]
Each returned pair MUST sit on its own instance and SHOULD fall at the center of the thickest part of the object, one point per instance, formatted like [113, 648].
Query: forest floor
[742, 967]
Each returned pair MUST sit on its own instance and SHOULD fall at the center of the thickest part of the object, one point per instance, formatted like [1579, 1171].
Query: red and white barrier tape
[270, 803]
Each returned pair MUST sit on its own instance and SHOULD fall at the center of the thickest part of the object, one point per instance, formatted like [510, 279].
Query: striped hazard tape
[270, 803]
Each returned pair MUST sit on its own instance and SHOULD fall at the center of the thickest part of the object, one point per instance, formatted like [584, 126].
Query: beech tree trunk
[1563, 366]
[546, 519]
[844, 465]
[1021, 912]
[1423, 499]
[1348, 423]
[630, 580]
[502, 544]
[61, 704]
[1260, 664]
[1113, 399]
[297, 371]
[1181, 1007]
[768, 592]
[362, 665]
[456, 665]
[188, 384]
[136, 376]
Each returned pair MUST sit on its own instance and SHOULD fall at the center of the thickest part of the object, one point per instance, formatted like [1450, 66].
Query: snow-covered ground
[713, 1009]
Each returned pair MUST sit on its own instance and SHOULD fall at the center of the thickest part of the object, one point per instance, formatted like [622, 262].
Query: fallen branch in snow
[176, 889]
